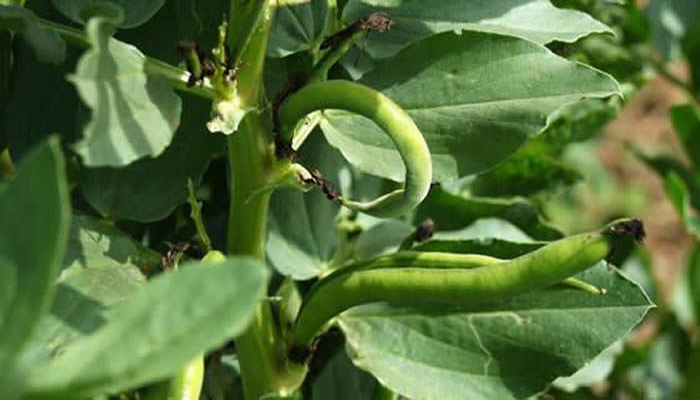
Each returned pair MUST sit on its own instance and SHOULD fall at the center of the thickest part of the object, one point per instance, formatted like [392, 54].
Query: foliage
[108, 109]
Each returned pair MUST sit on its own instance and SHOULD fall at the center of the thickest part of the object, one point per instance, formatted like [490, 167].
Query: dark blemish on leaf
[425, 230]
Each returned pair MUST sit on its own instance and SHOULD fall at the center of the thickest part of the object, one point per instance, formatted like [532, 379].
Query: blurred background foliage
[638, 155]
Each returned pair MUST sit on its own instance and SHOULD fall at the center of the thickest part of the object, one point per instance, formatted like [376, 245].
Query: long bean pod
[394, 121]
[417, 285]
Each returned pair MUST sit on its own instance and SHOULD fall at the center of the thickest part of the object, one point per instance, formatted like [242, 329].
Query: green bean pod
[396, 123]
[408, 281]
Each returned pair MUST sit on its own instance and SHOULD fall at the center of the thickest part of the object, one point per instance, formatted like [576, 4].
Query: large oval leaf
[453, 212]
[502, 350]
[135, 12]
[133, 115]
[101, 268]
[298, 25]
[123, 193]
[47, 45]
[476, 97]
[32, 114]
[158, 330]
[35, 215]
[301, 226]
[535, 20]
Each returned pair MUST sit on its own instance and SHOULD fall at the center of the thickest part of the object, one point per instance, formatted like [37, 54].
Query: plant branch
[177, 77]
[196, 215]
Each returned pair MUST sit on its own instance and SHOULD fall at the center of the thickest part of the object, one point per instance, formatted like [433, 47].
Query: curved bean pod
[417, 285]
[396, 123]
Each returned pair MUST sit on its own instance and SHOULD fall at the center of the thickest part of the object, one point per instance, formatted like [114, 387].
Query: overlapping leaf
[476, 97]
[102, 268]
[133, 115]
[34, 209]
[32, 113]
[47, 45]
[505, 349]
[158, 330]
[297, 26]
[535, 20]
[453, 212]
[123, 193]
[301, 229]
[135, 12]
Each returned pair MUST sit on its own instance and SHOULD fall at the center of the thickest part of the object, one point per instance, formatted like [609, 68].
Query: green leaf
[34, 210]
[32, 112]
[505, 349]
[301, 226]
[47, 45]
[670, 21]
[476, 97]
[297, 26]
[524, 173]
[535, 20]
[133, 115]
[123, 193]
[686, 122]
[102, 268]
[677, 191]
[661, 374]
[575, 123]
[594, 372]
[135, 12]
[452, 212]
[341, 380]
[158, 330]
[384, 237]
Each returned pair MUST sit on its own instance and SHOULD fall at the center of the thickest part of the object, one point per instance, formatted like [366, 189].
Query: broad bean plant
[270, 199]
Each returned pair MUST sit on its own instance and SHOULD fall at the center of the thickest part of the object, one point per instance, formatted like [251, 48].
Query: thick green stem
[260, 349]
[248, 212]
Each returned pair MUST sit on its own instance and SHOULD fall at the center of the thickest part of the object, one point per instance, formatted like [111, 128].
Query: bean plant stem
[260, 349]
